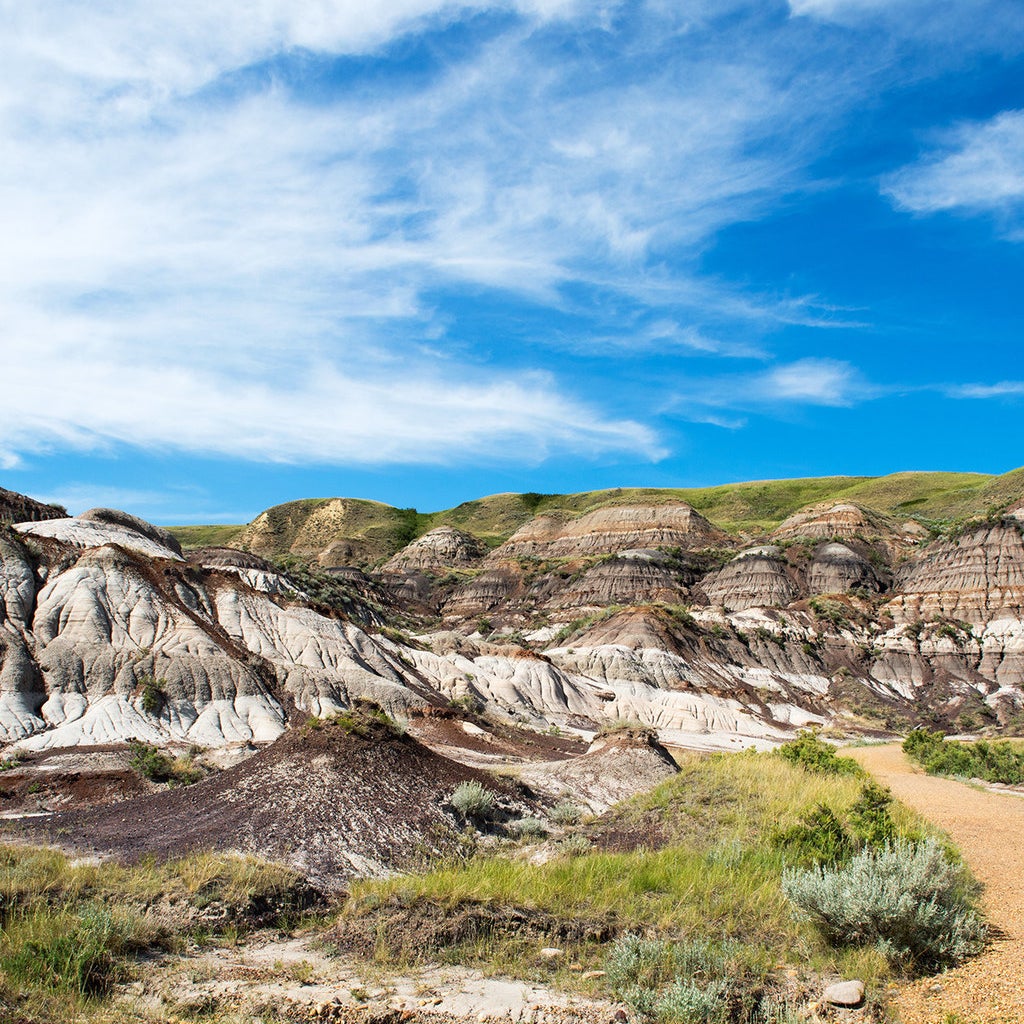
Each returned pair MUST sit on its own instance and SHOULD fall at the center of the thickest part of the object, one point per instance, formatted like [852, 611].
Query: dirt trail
[989, 830]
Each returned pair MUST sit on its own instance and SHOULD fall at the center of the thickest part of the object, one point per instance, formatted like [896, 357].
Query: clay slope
[616, 767]
[644, 610]
[977, 577]
[17, 508]
[103, 643]
[348, 797]
[609, 530]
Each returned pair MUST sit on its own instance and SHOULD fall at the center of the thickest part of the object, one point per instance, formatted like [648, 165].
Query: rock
[976, 577]
[17, 508]
[845, 993]
[631, 577]
[609, 530]
[437, 549]
[592, 975]
[551, 953]
[849, 522]
[837, 569]
[755, 578]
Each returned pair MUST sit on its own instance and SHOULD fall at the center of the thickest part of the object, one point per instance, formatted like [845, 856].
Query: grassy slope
[755, 506]
[207, 536]
[717, 874]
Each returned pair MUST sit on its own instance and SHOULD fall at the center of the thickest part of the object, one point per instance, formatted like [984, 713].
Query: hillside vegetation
[369, 531]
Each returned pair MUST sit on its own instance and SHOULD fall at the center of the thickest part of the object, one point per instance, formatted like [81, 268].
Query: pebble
[551, 952]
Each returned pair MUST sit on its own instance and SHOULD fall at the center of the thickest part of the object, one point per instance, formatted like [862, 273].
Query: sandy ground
[295, 977]
[988, 827]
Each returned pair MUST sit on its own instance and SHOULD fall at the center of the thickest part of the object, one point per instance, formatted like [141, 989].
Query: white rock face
[81, 533]
[107, 634]
[123, 640]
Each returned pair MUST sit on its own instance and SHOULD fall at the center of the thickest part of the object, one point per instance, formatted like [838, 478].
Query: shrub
[870, 816]
[818, 756]
[575, 846]
[472, 800]
[687, 1003]
[993, 762]
[818, 837]
[153, 695]
[694, 981]
[158, 767]
[528, 828]
[909, 901]
[148, 761]
[565, 812]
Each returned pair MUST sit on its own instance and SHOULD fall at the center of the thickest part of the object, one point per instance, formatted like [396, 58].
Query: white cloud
[980, 168]
[811, 382]
[1004, 389]
[253, 274]
[804, 382]
[833, 8]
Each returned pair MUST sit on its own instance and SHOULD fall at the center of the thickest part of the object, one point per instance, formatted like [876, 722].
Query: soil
[69, 777]
[332, 802]
[988, 828]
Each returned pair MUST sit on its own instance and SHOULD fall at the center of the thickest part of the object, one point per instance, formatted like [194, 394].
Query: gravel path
[989, 830]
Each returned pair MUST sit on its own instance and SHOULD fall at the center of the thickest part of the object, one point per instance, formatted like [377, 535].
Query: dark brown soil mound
[334, 799]
[18, 508]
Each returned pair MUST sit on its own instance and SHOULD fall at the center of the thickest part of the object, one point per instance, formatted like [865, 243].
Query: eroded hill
[547, 612]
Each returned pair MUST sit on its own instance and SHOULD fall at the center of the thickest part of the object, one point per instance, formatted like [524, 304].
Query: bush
[565, 812]
[687, 1003]
[472, 800]
[690, 982]
[575, 846]
[870, 816]
[148, 761]
[153, 696]
[818, 756]
[909, 901]
[528, 828]
[158, 767]
[993, 762]
[818, 837]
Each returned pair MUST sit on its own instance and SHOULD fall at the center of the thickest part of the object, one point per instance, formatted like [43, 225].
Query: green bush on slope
[994, 762]
[908, 900]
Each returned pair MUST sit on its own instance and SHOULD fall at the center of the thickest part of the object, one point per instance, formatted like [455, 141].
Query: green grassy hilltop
[758, 506]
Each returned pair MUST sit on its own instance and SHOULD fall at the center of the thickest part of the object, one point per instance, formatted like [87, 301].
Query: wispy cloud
[979, 168]
[252, 268]
[1004, 389]
[227, 235]
[805, 382]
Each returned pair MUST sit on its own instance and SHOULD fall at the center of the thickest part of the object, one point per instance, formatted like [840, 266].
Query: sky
[426, 250]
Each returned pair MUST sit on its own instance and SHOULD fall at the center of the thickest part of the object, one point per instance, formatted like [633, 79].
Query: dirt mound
[230, 558]
[18, 508]
[73, 777]
[333, 799]
[125, 520]
[617, 766]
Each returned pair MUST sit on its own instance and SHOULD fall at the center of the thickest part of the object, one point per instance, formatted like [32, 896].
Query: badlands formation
[539, 614]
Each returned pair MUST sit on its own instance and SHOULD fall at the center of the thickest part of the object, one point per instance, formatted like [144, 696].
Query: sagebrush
[908, 900]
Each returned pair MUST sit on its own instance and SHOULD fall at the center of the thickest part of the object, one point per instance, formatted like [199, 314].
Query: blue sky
[425, 250]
